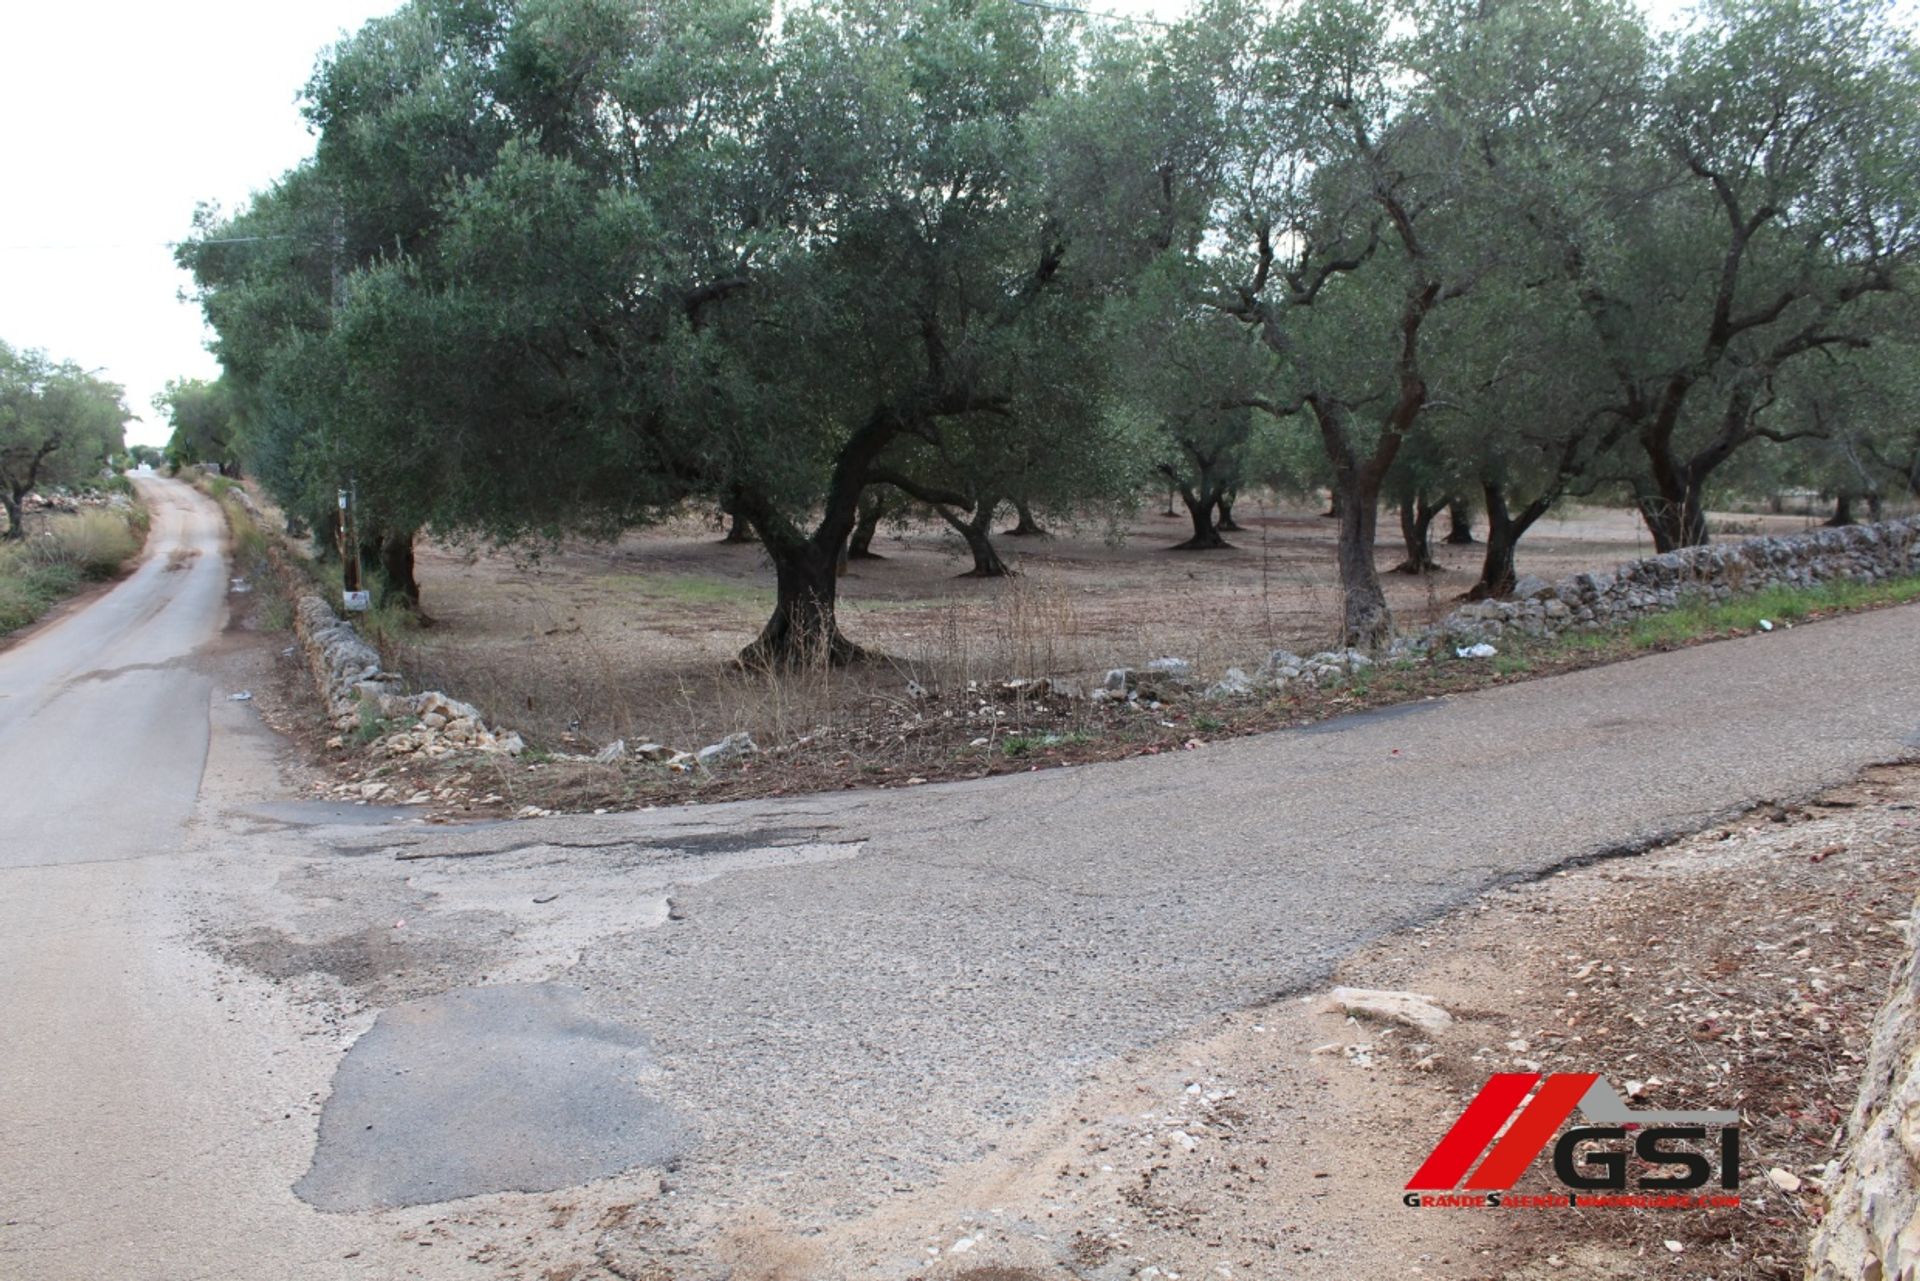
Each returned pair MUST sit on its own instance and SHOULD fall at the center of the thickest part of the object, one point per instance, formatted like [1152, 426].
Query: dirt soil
[591, 642]
[1736, 969]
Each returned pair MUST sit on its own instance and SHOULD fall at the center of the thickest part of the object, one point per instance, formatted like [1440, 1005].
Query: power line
[141, 244]
[1092, 13]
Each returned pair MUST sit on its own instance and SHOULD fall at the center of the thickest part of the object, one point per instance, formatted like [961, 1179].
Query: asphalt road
[776, 1011]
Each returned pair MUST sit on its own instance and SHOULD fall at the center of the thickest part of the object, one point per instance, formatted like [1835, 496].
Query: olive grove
[566, 266]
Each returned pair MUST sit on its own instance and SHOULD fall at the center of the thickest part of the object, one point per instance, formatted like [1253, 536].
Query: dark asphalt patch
[328, 813]
[487, 1089]
[1355, 720]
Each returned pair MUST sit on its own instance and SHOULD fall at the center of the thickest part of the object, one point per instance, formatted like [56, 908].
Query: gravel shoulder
[1739, 967]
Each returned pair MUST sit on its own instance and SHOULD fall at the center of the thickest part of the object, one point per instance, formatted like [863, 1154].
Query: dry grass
[61, 553]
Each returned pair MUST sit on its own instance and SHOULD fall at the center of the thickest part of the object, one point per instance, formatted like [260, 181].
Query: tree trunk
[1459, 524]
[1170, 511]
[738, 529]
[1367, 623]
[803, 629]
[1027, 526]
[986, 557]
[1416, 525]
[1842, 511]
[1505, 529]
[1674, 517]
[1333, 503]
[1497, 574]
[1873, 507]
[1226, 524]
[860, 547]
[1206, 535]
[397, 570]
[976, 530]
[1675, 508]
[16, 521]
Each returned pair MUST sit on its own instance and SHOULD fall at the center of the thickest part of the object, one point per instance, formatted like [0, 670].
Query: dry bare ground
[591, 642]
[1738, 968]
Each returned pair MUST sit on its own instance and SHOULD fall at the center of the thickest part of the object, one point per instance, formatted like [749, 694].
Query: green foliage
[206, 423]
[58, 426]
[563, 265]
[1776, 605]
[369, 724]
[510, 309]
[29, 587]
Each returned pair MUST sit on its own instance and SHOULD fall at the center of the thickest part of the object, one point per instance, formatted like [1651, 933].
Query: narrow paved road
[102, 716]
[277, 1045]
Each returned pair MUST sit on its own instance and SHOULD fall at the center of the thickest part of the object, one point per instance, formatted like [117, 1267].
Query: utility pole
[354, 596]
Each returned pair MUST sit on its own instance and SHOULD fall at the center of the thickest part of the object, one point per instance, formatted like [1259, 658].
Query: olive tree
[59, 425]
[1770, 199]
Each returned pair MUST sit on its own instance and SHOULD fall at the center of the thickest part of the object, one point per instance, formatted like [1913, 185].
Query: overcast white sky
[120, 117]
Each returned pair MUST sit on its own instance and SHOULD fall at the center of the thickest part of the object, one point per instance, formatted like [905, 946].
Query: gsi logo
[1658, 1139]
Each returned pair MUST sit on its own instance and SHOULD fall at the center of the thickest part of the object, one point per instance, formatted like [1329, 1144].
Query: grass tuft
[63, 555]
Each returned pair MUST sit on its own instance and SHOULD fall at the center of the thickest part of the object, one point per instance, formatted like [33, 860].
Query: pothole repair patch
[486, 1089]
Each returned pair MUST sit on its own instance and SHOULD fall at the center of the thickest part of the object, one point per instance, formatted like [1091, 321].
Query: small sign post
[354, 596]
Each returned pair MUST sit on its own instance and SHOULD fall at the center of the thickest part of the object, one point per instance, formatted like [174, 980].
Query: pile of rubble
[1164, 679]
[732, 748]
[69, 502]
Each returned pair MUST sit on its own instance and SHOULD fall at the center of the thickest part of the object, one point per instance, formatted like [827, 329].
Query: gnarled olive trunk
[1202, 500]
[1459, 524]
[1842, 512]
[873, 509]
[1206, 534]
[1224, 505]
[1366, 621]
[1416, 524]
[739, 530]
[391, 556]
[976, 530]
[16, 519]
[397, 569]
[1026, 526]
[803, 629]
[1505, 528]
[1497, 573]
[1674, 516]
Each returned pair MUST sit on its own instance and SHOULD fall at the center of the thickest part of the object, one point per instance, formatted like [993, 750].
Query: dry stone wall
[1855, 553]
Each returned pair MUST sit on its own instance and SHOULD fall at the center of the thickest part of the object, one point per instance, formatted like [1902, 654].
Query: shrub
[95, 544]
